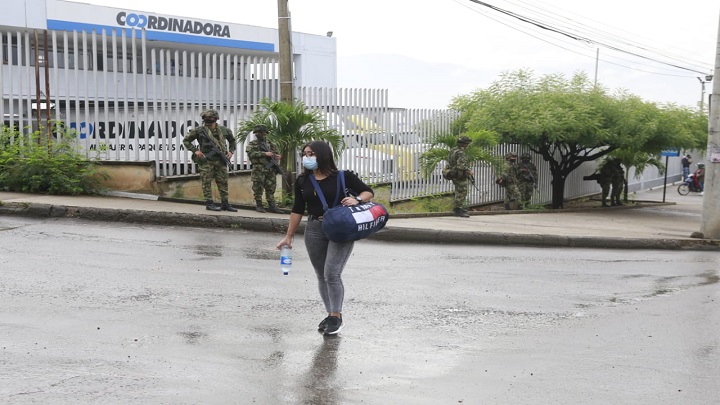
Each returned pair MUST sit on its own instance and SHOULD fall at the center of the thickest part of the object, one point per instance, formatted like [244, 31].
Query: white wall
[315, 55]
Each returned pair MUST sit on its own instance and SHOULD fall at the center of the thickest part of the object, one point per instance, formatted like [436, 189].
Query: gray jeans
[328, 258]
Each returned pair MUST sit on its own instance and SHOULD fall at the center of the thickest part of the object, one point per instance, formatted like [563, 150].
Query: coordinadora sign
[158, 23]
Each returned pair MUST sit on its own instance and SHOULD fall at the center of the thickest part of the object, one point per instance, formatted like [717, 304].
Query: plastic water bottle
[285, 259]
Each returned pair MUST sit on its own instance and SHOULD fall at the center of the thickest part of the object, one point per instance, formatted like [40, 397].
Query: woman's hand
[348, 201]
[287, 240]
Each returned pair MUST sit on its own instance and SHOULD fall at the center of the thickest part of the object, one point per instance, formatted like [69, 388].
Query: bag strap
[318, 191]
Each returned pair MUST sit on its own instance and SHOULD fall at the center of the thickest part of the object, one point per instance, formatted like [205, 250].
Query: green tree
[567, 122]
[291, 125]
[670, 128]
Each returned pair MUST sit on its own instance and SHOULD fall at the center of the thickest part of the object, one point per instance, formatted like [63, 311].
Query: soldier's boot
[604, 199]
[227, 207]
[258, 206]
[210, 205]
[273, 208]
[461, 213]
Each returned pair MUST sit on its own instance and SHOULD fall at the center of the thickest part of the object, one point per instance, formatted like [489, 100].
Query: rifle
[215, 150]
[272, 163]
[471, 179]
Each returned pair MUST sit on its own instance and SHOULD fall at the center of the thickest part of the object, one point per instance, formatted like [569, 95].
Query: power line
[610, 36]
[578, 37]
[572, 44]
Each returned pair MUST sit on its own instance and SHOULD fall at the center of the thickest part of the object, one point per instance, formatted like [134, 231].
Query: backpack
[449, 173]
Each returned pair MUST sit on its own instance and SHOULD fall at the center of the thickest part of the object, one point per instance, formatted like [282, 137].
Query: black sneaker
[323, 324]
[333, 326]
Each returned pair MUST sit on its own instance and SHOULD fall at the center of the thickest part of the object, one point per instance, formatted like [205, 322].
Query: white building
[100, 64]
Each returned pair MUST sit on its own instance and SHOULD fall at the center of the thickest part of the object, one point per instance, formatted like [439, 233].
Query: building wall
[315, 55]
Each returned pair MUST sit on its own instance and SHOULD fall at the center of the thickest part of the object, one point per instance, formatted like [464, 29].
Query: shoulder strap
[340, 189]
[318, 191]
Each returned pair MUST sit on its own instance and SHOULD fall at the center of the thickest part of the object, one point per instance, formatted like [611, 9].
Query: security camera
[708, 78]
[329, 33]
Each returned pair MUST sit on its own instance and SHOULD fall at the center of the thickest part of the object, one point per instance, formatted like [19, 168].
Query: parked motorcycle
[688, 186]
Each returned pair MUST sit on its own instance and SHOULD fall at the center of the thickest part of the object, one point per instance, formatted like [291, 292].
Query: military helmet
[260, 128]
[525, 156]
[464, 140]
[210, 113]
[510, 155]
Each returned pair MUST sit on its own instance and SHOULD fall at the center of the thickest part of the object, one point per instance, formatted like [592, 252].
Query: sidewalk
[651, 224]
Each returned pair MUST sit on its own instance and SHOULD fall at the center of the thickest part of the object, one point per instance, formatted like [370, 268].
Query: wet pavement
[120, 313]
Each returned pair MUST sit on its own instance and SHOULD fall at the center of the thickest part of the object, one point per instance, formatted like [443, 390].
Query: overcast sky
[427, 51]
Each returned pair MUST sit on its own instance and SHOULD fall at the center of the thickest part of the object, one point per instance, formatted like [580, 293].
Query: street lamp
[708, 79]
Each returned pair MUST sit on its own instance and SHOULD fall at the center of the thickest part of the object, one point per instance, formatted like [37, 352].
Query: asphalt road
[94, 312]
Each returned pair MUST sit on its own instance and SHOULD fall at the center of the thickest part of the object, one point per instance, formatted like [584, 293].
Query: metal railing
[128, 100]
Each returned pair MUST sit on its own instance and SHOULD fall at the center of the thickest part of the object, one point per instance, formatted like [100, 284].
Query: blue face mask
[310, 163]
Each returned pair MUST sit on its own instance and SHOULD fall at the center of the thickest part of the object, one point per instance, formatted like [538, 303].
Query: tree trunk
[558, 190]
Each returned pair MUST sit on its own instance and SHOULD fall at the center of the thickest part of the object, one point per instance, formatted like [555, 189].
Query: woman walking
[328, 258]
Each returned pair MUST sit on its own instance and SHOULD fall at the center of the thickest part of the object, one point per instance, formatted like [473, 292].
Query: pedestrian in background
[459, 164]
[261, 151]
[213, 140]
[686, 161]
[509, 181]
[527, 180]
[328, 258]
[699, 177]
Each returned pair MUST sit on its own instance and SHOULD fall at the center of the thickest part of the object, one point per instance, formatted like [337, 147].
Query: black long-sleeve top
[306, 198]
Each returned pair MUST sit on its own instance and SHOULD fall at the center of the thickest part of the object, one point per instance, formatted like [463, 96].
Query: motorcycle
[688, 186]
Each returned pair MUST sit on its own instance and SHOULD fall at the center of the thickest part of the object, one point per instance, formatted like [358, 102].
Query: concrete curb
[389, 233]
[494, 238]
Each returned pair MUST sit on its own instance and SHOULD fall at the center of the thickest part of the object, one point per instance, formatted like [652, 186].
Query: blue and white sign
[670, 153]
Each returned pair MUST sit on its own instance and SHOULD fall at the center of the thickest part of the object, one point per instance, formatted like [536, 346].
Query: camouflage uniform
[527, 180]
[212, 167]
[263, 177]
[457, 159]
[509, 180]
[611, 174]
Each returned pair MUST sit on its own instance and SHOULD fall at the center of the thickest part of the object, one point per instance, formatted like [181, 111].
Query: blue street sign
[670, 153]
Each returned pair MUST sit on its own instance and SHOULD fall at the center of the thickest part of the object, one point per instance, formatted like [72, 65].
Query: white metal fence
[129, 100]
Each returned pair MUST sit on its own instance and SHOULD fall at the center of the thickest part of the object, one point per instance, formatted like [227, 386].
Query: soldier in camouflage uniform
[527, 179]
[457, 160]
[260, 151]
[617, 181]
[210, 164]
[509, 181]
[610, 174]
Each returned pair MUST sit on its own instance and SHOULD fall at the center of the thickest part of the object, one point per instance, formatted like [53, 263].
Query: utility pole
[710, 226]
[286, 79]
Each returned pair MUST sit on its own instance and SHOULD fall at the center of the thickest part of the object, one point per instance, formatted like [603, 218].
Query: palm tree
[290, 126]
[477, 151]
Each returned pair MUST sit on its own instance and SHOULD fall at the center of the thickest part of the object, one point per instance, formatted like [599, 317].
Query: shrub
[34, 164]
